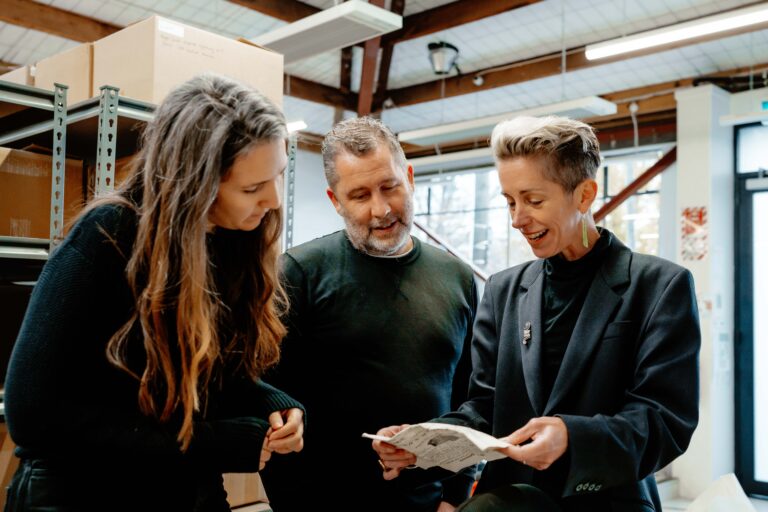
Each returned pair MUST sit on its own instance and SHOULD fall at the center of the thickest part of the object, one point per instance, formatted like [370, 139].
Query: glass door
[752, 310]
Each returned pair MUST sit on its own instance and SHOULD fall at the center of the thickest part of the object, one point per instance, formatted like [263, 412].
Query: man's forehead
[370, 170]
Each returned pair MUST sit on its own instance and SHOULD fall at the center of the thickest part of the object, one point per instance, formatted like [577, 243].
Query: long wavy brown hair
[187, 150]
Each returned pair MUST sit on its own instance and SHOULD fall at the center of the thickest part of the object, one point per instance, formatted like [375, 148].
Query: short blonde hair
[570, 146]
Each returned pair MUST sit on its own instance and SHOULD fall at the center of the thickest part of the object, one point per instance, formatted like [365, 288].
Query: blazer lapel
[530, 333]
[599, 305]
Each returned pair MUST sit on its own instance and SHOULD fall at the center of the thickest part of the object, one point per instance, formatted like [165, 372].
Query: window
[636, 221]
[751, 306]
[466, 210]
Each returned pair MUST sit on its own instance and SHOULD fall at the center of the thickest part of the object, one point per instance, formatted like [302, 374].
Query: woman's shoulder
[103, 225]
[522, 275]
[648, 263]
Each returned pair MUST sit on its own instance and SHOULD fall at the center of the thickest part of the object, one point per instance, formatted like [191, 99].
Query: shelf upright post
[290, 190]
[107, 140]
[58, 165]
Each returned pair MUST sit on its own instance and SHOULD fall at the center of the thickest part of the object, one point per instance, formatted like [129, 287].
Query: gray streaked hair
[358, 136]
[188, 149]
[570, 146]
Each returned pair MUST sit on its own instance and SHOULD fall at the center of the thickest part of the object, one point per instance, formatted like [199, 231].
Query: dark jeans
[511, 498]
[32, 489]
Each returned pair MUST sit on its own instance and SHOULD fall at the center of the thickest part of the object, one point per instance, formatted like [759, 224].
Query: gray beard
[363, 240]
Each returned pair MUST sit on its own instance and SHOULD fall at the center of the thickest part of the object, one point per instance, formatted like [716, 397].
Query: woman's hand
[266, 454]
[286, 431]
[391, 458]
[548, 438]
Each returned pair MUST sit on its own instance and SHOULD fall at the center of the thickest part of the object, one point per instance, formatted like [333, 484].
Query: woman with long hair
[134, 381]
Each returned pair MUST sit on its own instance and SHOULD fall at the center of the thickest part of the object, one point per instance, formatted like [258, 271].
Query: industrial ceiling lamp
[443, 57]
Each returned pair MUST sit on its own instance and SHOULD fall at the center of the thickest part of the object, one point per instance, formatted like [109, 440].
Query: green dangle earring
[584, 239]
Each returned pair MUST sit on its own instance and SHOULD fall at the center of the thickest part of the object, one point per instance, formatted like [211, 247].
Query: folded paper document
[451, 447]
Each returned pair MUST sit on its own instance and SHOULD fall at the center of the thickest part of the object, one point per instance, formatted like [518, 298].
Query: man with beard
[378, 334]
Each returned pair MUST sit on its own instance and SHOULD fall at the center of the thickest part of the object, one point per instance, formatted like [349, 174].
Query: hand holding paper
[427, 445]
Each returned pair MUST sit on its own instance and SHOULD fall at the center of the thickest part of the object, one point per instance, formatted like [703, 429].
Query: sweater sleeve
[247, 397]
[457, 488]
[63, 398]
[477, 411]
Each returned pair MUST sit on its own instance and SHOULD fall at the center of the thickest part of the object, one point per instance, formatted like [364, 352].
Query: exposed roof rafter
[51, 20]
[450, 15]
[286, 10]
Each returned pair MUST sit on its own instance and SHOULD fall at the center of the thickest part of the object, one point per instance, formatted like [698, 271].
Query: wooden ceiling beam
[612, 133]
[450, 15]
[387, 49]
[345, 81]
[498, 76]
[286, 10]
[7, 66]
[368, 72]
[319, 93]
[51, 20]
[521, 71]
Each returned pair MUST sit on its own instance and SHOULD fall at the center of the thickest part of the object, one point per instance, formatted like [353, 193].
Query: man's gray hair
[570, 147]
[358, 136]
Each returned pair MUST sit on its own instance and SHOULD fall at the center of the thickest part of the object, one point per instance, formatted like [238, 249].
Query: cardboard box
[25, 193]
[20, 75]
[148, 59]
[73, 68]
[244, 489]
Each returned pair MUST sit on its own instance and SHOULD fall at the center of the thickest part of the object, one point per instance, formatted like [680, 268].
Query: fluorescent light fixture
[295, 126]
[482, 127]
[739, 18]
[481, 157]
[337, 27]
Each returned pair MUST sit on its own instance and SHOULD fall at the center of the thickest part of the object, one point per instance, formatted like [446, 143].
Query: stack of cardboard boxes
[145, 61]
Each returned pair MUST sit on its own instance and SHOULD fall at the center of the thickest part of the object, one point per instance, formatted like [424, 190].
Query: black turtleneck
[565, 288]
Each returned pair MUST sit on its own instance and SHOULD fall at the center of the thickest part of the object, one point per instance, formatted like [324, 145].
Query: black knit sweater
[372, 342]
[67, 406]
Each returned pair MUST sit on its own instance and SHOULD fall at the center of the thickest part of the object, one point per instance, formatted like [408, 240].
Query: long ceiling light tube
[708, 25]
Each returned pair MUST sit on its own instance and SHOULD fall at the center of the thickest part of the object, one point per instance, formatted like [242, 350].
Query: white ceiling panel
[700, 59]
[541, 29]
[528, 32]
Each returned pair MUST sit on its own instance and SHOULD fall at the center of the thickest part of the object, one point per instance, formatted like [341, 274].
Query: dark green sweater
[69, 407]
[372, 342]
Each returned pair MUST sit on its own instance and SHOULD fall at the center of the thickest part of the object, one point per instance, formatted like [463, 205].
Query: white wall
[314, 215]
[705, 178]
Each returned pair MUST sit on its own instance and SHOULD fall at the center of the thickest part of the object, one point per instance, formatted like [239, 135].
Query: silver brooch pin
[527, 333]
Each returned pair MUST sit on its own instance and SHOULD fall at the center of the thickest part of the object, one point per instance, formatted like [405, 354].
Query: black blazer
[627, 389]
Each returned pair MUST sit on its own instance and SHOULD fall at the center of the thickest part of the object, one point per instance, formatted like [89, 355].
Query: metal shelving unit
[53, 105]
[90, 128]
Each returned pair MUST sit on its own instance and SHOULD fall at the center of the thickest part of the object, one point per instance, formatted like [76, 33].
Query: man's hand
[391, 458]
[286, 431]
[548, 438]
[445, 507]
